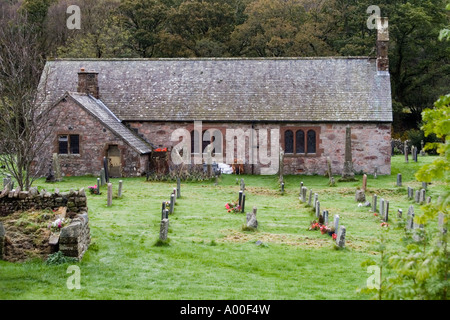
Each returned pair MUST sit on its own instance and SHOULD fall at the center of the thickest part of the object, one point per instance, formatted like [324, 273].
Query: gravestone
[422, 196]
[240, 197]
[178, 188]
[410, 218]
[119, 192]
[172, 203]
[409, 193]
[282, 187]
[304, 192]
[347, 172]
[399, 180]
[417, 196]
[428, 199]
[405, 151]
[242, 184]
[364, 185]
[56, 167]
[375, 173]
[441, 223]
[164, 229]
[174, 191]
[310, 197]
[316, 198]
[251, 219]
[382, 208]
[163, 210]
[414, 154]
[336, 223]
[374, 203]
[109, 201]
[243, 203]
[98, 185]
[424, 185]
[105, 166]
[422, 151]
[360, 196]
[102, 176]
[325, 217]
[340, 239]
[317, 209]
[386, 213]
[399, 213]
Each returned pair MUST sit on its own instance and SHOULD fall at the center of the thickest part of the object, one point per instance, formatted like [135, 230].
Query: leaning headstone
[374, 203]
[109, 201]
[340, 239]
[399, 180]
[347, 172]
[251, 219]
[164, 229]
[410, 218]
[119, 193]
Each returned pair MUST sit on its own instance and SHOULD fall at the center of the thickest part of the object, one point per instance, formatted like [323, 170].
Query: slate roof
[96, 108]
[335, 89]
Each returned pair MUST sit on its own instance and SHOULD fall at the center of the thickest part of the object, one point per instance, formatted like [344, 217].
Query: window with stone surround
[210, 137]
[300, 141]
[69, 144]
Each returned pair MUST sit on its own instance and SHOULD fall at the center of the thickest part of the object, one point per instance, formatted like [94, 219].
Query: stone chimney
[88, 83]
[382, 44]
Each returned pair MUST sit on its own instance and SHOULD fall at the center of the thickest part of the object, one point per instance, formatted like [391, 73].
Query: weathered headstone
[422, 151]
[282, 187]
[163, 210]
[242, 184]
[240, 198]
[316, 198]
[414, 153]
[382, 208]
[422, 196]
[105, 166]
[102, 176]
[410, 218]
[303, 194]
[374, 203]
[360, 195]
[119, 192]
[405, 150]
[251, 219]
[110, 195]
[317, 209]
[174, 191]
[441, 223]
[428, 199]
[399, 213]
[399, 180]
[172, 203]
[325, 217]
[347, 172]
[243, 203]
[310, 197]
[424, 185]
[386, 213]
[336, 223]
[417, 196]
[178, 188]
[164, 229]
[340, 239]
[364, 185]
[98, 185]
[56, 167]
[375, 173]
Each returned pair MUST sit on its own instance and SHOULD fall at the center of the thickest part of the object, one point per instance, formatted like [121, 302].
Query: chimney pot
[382, 44]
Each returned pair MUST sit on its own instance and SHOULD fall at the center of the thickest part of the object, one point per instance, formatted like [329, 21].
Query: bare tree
[24, 126]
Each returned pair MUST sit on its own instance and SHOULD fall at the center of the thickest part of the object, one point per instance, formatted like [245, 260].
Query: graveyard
[200, 249]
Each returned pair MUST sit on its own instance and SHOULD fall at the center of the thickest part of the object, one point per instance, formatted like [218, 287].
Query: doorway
[114, 162]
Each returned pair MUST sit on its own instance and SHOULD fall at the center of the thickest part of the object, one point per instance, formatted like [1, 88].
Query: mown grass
[209, 256]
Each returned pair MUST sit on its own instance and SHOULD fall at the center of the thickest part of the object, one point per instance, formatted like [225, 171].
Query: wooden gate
[114, 162]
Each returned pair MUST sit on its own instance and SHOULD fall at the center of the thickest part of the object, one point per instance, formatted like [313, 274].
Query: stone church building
[125, 109]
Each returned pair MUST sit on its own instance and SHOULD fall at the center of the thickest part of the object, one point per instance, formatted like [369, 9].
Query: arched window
[311, 143]
[288, 141]
[300, 141]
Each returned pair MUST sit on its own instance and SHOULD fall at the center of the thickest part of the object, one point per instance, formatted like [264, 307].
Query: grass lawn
[209, 256]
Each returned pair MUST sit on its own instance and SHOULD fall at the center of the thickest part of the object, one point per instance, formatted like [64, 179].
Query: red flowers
[385, 224]
[334, 236]
[161, 150]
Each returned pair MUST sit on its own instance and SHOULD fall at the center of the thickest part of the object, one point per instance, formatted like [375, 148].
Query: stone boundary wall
[74, 239]
[16, 200]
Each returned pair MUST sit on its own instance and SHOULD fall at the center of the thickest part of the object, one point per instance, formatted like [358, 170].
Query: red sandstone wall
[94, 141]
[370, 145]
